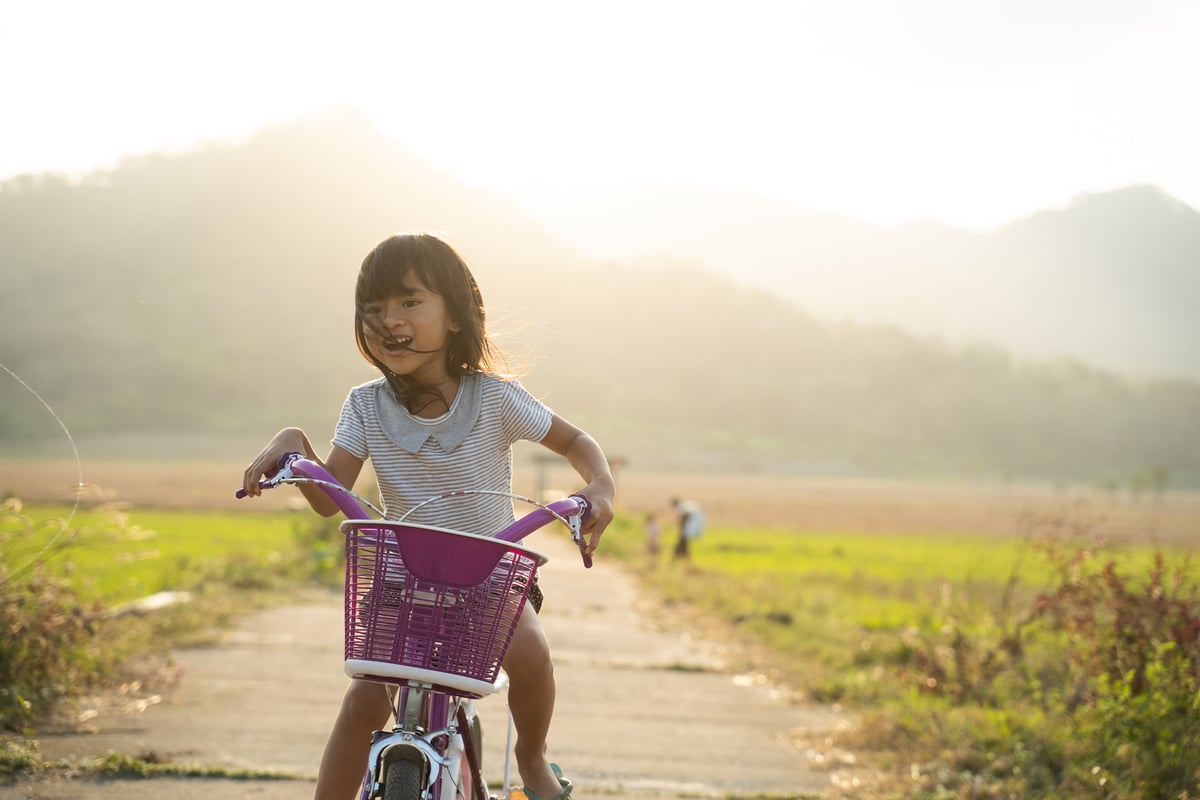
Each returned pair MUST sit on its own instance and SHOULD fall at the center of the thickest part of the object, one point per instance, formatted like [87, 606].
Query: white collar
[410, 433]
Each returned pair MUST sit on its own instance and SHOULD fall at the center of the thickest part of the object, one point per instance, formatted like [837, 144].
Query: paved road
[643, 712]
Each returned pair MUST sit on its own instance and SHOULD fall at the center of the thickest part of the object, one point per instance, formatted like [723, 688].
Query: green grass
[115, 555]
[989, 666]
[869, 581]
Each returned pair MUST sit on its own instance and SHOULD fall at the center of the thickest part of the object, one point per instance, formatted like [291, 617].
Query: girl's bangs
[380, 279]
[392, 271]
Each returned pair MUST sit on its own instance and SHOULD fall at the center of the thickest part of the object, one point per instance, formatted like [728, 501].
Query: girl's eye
[411, 303]
[371, 310]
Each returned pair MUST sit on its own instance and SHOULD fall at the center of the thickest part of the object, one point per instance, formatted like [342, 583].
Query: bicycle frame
[445, 757]
[430, 613]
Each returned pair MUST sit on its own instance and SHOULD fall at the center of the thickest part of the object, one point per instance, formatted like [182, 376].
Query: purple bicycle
[430, 612]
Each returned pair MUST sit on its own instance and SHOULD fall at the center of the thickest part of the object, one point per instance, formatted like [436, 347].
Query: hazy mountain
[1112, 280]
[211, 292]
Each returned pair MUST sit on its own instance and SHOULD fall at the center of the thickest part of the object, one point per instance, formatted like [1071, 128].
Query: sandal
[565, 794]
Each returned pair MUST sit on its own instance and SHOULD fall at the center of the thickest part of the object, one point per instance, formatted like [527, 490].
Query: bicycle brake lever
[576, 525]
[283, 471]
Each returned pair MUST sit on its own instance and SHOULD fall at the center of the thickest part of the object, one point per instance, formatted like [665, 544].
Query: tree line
[212, 292]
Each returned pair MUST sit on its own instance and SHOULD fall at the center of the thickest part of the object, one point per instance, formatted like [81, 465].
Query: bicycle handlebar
[295, 469]
[571, 511]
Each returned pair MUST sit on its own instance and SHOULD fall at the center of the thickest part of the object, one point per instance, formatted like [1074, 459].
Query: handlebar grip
[241, 493]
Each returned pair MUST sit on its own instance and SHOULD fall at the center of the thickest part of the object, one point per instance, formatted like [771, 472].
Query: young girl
[440, 418]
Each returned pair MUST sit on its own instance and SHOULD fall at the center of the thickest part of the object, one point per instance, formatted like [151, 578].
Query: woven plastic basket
[432, 605]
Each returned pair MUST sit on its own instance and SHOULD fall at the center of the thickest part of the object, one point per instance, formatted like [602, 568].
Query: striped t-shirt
[469, 447]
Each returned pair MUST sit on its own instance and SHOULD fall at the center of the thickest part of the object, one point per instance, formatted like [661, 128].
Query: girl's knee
[528, 658]
[529, 662]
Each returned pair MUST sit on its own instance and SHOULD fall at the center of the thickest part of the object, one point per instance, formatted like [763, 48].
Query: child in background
[653, 535]
[691, 526]
[440, 418]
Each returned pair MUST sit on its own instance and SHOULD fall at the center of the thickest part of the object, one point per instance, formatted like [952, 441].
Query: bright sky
[971, 112]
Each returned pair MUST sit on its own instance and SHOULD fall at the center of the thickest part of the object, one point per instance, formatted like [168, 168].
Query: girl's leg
[365, 709]
[531, 700]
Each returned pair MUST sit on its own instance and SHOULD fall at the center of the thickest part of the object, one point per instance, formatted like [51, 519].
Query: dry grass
[889, 506]
[807, 503]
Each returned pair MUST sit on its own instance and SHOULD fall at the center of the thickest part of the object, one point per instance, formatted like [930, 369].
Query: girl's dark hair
[386, 272]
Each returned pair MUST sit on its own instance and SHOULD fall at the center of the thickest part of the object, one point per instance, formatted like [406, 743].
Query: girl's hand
[288, 440]
[600, 497]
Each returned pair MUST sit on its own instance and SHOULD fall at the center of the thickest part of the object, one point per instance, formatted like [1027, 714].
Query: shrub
[57, 635]
[1110, 666]
[1134, 707]
[45, 647]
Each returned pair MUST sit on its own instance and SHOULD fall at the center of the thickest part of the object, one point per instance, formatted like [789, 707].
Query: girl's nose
[393, 317]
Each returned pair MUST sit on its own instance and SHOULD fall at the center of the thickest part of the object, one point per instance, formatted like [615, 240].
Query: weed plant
[1037, 666]
[49, 626]
[63, 576]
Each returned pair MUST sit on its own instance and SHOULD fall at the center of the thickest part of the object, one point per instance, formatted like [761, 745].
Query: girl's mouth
[395, 345]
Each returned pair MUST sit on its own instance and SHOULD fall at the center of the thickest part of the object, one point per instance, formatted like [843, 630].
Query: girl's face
[409, 332]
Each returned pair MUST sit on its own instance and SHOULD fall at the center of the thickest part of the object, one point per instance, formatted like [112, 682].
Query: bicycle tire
[402, 780]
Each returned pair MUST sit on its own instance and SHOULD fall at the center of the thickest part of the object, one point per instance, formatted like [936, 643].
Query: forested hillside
[211, 292]
[1111, 279]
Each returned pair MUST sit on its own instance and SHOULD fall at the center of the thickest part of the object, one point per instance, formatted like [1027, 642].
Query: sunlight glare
[888, 111]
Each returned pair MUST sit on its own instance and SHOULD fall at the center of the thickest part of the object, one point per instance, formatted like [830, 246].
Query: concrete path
[643, 711]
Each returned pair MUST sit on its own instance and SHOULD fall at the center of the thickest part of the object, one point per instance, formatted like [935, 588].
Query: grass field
[824, 592]
[120, 554]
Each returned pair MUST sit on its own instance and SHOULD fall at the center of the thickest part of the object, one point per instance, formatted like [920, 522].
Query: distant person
[440, 417]
[691, 525]
[653, 535]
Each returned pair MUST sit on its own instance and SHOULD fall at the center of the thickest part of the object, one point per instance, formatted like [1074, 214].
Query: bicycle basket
[432, 605]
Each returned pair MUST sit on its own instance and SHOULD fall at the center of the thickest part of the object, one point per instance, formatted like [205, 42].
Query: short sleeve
[523, 416]
[351, 431]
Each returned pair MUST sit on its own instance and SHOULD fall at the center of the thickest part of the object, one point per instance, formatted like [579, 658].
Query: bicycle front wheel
[402, 780]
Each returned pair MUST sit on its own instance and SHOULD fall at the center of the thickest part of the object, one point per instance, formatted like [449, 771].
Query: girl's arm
[585, 457]
[343, 466]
